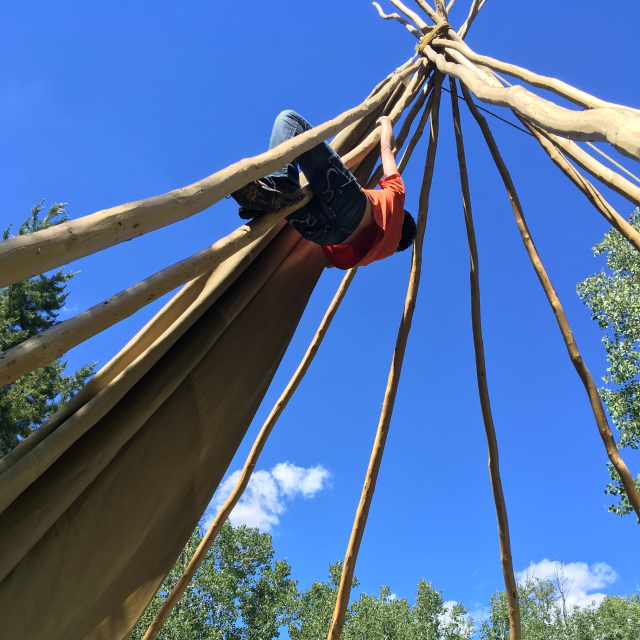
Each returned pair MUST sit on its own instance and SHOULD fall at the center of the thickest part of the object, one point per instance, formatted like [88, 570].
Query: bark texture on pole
[483, 387]
[368, 489]
[250, 464]
[589, 385]
[25, 256]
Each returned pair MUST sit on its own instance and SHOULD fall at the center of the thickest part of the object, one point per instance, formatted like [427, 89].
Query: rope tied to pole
[436, 31]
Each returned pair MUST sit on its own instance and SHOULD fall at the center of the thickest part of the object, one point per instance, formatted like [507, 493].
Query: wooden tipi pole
[22, 257]
[56, 341]
[619, 126]
[592, 194]
[589, 385]
[483, 387]
[368, 489]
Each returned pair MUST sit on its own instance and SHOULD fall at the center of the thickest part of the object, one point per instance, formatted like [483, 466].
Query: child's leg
[288, 124]
[339, 203]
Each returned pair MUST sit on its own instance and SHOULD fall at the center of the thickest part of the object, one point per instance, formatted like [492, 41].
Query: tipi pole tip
[412, 15]
[424, 5]
[400, 19]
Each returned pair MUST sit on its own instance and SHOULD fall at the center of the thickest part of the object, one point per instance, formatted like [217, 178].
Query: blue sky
[104, 103]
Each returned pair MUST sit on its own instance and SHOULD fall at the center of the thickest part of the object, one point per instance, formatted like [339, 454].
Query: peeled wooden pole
[350, 135]
[424, 5]
[57, 340]
[473, 12]
[561, 318]
[400, 19]
[619, 126]
[136, 346]
[593, 195]
[415, 109]
[558, 87]
[22, 257]
[610, 159]
[368, 489]
[369, 151]
[607, 176]
[360, 152]
[418, 132]
[441, 9]
[139, 354]
[483, 388]
[412, 15]
[404, 132]
[250, 464]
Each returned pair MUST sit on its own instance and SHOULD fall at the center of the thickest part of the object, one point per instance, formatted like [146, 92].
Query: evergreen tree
[26, 309]
[613, 295]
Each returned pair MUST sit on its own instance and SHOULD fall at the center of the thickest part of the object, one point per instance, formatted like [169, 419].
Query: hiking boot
[248, 214]
[260, 195]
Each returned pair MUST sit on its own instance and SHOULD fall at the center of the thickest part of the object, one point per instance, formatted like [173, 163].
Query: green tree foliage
[26, 309]
[239, 592]
[543, 617]
[315, 607]
[381, 617]
[613, 295]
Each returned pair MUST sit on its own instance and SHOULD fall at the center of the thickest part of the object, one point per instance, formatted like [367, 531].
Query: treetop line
[413, 89]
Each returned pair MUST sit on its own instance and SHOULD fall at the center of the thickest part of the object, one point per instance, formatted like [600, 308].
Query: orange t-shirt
[381, 240]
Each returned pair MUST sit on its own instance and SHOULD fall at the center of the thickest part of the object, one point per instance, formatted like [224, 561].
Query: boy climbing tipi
[354, 226]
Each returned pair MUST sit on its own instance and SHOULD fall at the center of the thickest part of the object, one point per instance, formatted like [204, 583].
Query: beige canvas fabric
[88, 542]
[161, 332]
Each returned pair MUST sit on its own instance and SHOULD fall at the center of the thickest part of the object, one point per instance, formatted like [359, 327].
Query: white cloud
[268, 492]
[479, 613]
[70, 310]
[582, 580]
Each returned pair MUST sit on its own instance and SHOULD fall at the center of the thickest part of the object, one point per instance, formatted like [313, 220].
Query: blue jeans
[339, 203]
